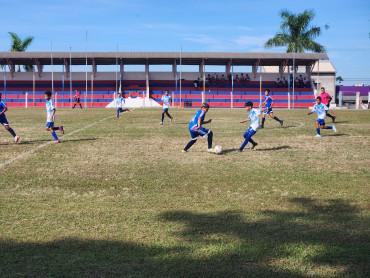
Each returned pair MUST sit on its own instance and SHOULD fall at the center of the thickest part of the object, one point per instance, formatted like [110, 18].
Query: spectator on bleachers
[229, 77]
[285, 83]
[291, 80]
[306, 83]
[236, 78]
[242, 79]
[278, 85]
[247, 78]
[196, 83]
[223, 78]
[300, 81]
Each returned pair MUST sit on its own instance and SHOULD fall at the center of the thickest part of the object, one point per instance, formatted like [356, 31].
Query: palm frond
[280, 39]
[26, 42]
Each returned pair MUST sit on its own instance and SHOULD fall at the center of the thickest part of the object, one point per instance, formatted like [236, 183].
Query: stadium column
[121, 69]
[147, 77]
[201, 72]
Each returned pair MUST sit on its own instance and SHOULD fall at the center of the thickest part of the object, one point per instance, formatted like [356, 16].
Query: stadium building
[290, 88]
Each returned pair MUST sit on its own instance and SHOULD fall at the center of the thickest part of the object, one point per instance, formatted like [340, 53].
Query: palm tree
[296, 33]
[19, 45]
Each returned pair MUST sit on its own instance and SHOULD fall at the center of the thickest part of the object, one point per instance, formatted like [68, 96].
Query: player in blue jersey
[196, 129]
[4, 121]
[321, 110]
[269, 102]
[120, 101]
[50, 117]
[166, 99]
[253, 116]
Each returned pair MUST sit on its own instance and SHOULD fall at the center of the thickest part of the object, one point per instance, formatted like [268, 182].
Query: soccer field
[118, 199]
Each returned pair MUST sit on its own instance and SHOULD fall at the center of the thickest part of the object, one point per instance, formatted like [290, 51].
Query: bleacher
[218, 95]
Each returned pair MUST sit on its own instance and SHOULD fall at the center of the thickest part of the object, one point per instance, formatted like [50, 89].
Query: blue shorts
[321, 121]
[50, 124]
[3, 120]
[165, 109]
[249, 133]
[200, 132]
[268, 111]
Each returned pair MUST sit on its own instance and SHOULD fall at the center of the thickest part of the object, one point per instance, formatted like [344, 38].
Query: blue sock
[244, 144]
[12, 131]
[318, 131]
[56, 128]
[330, 127]
[55, 136]
[118, 111]
[162, 117]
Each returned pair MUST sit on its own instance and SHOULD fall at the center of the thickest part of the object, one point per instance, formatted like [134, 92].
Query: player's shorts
[165, 109]
[77, 100]
[268, 111]
[321, 121]
[50, 124]
[249, 133]
[3, 120]
[200, 132]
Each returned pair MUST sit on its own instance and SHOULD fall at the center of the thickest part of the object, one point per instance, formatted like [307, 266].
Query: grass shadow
[337, 134]
[229, 151]
[273, 149]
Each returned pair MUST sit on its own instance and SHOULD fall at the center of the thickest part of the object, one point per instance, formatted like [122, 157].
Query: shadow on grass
[340, 122]
[229, 151]
[256, 245]
[62, 140]
[273, 149]
[338, 134]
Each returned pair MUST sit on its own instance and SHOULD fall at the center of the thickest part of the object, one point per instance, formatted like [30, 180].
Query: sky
[227, 26]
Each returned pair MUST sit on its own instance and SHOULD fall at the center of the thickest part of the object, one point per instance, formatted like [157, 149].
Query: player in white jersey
[321, 110]
[253, 116]
[50, 117]
[120, 101]
[166, 99]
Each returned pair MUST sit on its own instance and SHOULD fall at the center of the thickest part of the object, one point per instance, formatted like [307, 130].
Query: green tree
[296, 33]
[19, 45]
[339, 79]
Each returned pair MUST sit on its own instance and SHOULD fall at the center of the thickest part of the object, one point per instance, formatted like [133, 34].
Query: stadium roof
[159, 58]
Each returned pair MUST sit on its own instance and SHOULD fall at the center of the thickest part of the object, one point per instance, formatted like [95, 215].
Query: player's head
[248, 105]
[267, 92]
[205, 107]
[166, 92]
[47, 95]
[322, 90]
[119, 94]
[318, 100]
[76, 91]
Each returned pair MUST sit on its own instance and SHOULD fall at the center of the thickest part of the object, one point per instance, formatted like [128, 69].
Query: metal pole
[116, 65]
[180, 73]
[5, 81]
[340, 98]
[52, 68]
[318, 76]
[176, 81]
[260, 90]
[70, 77]
[232, 77]
[63, 85]
[204, 82]
[293, 74]
[85, 100]
[33, 85]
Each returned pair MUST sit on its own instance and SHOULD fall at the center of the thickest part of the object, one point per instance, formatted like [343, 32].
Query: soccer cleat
[170, 120]
[161, 123]
[57, 141]
[117, 117]
[254, 145]
[262, 126]
[334, 129]
[128, 110]
[16, 139]
[61, 129]
[183, 151]
[239, 150]
[318, 136]
[333, 119]
[211, 150]
[281, 123]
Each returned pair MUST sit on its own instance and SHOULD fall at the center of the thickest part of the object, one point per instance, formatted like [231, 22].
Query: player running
[4, 121]
[50, 117]
[321, 110]
[269, 102]
[120, 101]
[196, 129]
[253, 116]
[77, 99]
[326, 99]
[166, 99]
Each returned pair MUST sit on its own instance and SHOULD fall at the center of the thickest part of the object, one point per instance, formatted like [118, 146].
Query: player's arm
[207, 122]
[5, 109]
[272, 103]
[309, 113]
[243, 121]
[52, 115]
[331, 111]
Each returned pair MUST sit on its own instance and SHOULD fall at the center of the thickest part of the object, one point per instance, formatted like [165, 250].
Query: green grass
[119, 199]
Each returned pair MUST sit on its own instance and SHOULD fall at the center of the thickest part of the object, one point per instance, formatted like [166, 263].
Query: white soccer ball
[218, 150]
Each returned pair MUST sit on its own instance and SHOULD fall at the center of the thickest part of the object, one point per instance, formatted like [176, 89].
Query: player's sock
[329, 127]
[191, 143]
[251, 140]
[263, 121]
[277, 119]
[210, 136]
[118, 112]
[11, 131]
[244, 144]
[330, 116]
[162, 118]
[318, 131]
[54, 135]
[168, 114]
[56, 128]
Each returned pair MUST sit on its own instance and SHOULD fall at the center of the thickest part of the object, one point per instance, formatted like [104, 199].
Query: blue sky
[143, 25]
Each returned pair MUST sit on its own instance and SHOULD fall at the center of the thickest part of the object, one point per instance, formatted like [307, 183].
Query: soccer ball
[218, 150]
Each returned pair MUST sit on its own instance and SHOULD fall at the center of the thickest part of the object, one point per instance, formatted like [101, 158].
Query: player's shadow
[337, 134]
[340, 122]
[273, 149]
[229, 151]
[32, 142]
[212, 244]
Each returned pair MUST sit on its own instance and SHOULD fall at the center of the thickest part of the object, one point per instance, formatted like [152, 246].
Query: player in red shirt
[77, 99]
[326, 99]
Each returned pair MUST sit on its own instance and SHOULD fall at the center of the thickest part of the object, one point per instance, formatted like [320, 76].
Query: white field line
[51, 142]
